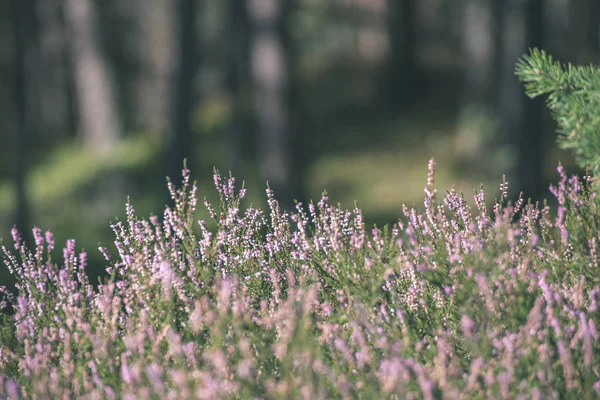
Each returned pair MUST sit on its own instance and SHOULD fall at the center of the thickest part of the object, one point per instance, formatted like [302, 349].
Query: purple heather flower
[12, 389]
[197, 313]
[37, 237]
[50, 240]
[16, 238]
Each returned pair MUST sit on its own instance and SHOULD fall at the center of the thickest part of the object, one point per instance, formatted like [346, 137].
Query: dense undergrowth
[450, 302]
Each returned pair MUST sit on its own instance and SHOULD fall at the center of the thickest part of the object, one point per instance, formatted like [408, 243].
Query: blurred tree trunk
[479, 26]
[270, 74]
[579, 24]
[52, 71]
[154, 49]
[482, 49]
[300, 148]
[523, 24]
[570, 22]
[20, 155]
[98, 116]
[557, 17]
[402, 81]
[594, 26]
[237, 65]
[184, 71]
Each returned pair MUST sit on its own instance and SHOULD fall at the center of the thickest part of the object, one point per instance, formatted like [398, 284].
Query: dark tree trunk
[52, 71]
[152, 49]
[183, 88]
[482, 41]
[271, 79]
[579, 26]
[499, 13]
[237, 65]
[569, 23]
[557, 16]
[478, 41]
[523, 118]
[402, 81]
[299, 148]
[531, 142]
[594, 26]
[19, 9]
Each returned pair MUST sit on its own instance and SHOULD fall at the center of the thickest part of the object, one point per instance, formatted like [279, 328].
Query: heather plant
[497, 299]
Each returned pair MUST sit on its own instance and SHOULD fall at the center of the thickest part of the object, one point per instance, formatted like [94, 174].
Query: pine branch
[573, 98]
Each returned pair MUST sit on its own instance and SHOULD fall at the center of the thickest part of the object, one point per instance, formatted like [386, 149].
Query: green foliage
[574, 99]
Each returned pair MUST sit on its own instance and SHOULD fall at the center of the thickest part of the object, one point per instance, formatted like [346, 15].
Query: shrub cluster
[451, 302]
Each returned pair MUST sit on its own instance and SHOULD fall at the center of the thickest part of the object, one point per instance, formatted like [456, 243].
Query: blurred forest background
[101, 99]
